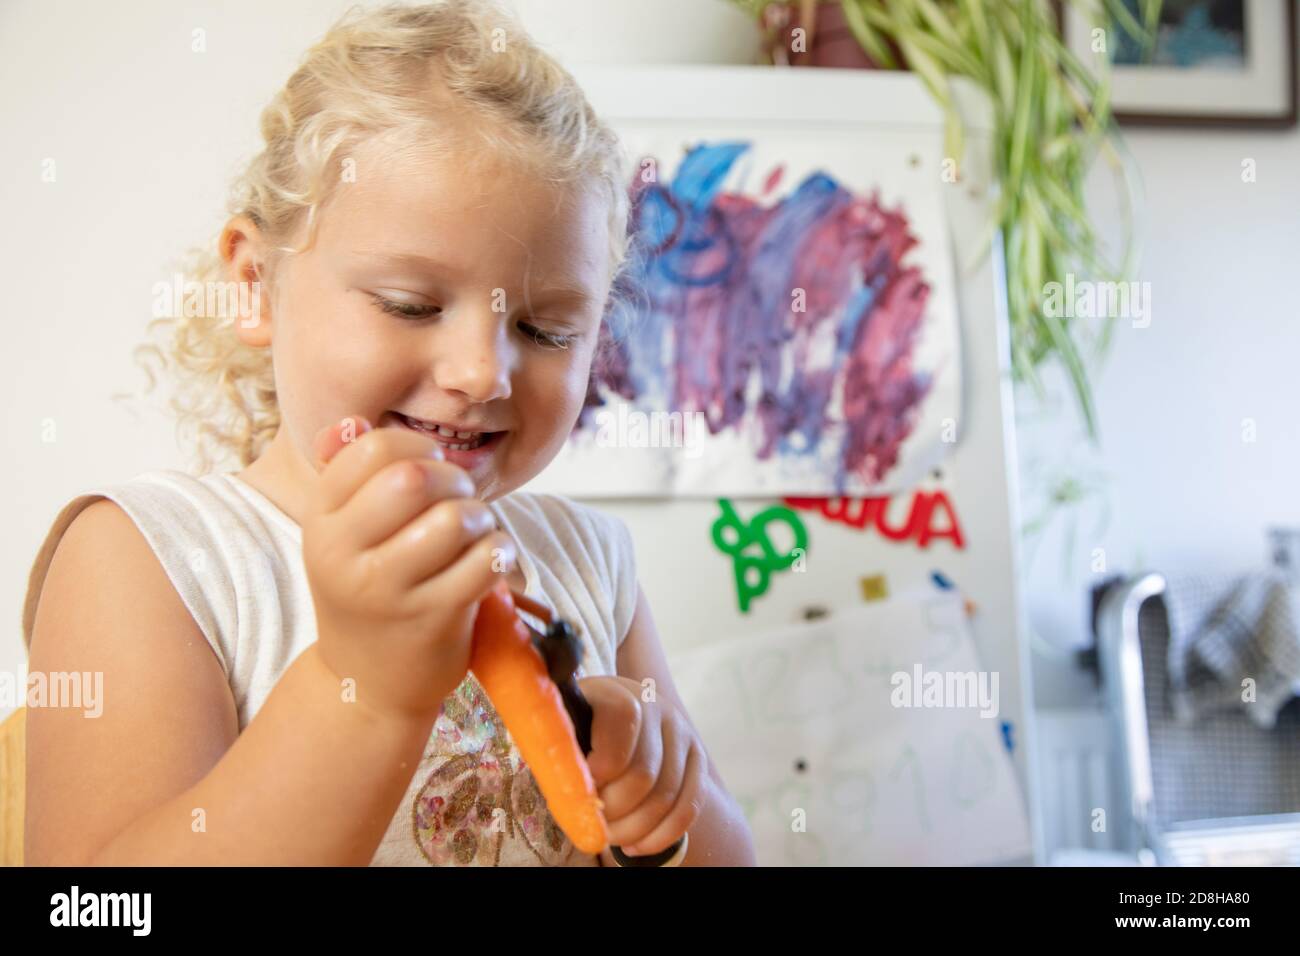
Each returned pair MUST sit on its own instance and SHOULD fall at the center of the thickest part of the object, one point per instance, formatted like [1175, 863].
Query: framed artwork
[1213, 63]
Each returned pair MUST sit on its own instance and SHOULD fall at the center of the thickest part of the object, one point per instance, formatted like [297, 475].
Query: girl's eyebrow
[575, 293]
[408, 259]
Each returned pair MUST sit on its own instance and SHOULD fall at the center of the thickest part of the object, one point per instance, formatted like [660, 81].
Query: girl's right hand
[398, 553]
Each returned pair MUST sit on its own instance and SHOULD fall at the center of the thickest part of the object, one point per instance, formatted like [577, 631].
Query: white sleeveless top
[236, 561]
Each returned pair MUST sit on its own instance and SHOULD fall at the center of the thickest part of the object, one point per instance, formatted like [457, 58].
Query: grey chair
[1220, 791]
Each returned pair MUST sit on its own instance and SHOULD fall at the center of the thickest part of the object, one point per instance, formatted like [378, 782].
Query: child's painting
[790, 322]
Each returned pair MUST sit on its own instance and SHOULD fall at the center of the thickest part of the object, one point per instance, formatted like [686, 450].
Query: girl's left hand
[649, 766]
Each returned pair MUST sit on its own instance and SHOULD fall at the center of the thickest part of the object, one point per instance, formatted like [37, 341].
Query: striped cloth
[1222, 765]
[1233, 643]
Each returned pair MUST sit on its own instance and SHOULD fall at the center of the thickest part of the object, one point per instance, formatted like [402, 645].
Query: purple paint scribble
[717, 290]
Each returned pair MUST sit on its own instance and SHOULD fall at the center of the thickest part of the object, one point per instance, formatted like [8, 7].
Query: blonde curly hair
[394, 75]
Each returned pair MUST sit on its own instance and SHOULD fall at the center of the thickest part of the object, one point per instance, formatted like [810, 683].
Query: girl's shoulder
[198, 528]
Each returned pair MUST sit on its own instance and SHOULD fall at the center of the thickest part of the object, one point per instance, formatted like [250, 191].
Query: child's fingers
[432, 541]
[692, 793]
[464, 582]
[397, 495]
[354, 463]
[615, 727]
[331, 439]
[643, 794]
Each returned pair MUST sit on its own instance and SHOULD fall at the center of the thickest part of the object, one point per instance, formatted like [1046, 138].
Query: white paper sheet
[880, 784]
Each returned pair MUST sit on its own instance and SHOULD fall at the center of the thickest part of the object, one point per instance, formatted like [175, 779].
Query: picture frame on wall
[1213, 63]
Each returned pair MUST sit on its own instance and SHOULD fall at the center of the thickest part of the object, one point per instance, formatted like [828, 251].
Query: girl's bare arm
[162, 776]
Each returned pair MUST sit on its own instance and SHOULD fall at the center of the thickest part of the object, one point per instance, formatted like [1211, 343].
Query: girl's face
[466, 295]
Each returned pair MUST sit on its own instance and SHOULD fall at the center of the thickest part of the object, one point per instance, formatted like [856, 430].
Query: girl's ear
[246, 294]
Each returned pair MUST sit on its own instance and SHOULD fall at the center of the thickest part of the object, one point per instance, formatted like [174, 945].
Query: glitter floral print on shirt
[480, 793]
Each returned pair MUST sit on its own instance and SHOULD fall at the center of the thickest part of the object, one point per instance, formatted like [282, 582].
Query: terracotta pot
[827, 41]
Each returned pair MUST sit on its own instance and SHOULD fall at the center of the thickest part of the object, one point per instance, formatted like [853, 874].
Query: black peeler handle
[561, 651]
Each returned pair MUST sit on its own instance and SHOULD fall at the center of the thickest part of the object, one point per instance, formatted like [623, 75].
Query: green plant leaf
[937, 81]
[1004, 73]
[973, 11]
[1069, 353]
[1119, 13]
[867, 36]
[938, 21]
[1026, 82]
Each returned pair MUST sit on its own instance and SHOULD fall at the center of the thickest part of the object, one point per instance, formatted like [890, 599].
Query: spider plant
[1052, 120]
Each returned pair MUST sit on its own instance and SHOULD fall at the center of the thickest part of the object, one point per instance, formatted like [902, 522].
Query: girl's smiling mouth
[465, 447]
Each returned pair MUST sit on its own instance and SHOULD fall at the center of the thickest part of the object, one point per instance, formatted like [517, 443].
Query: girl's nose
[474, 358]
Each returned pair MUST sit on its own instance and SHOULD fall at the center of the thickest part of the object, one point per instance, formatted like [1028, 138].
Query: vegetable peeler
[561, 651]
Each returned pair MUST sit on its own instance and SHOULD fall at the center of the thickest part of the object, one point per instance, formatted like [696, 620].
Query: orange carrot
[514, 675]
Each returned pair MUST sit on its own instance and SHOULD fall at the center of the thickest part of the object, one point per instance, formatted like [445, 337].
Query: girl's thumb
[330, 439]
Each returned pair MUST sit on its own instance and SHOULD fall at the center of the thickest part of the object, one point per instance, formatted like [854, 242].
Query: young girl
[430, 238]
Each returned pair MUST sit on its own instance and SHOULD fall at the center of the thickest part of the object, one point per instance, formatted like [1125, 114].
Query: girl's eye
[406, 310]
[547, 340]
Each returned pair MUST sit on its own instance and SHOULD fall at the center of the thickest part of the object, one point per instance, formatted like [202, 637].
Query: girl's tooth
[444, 432]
